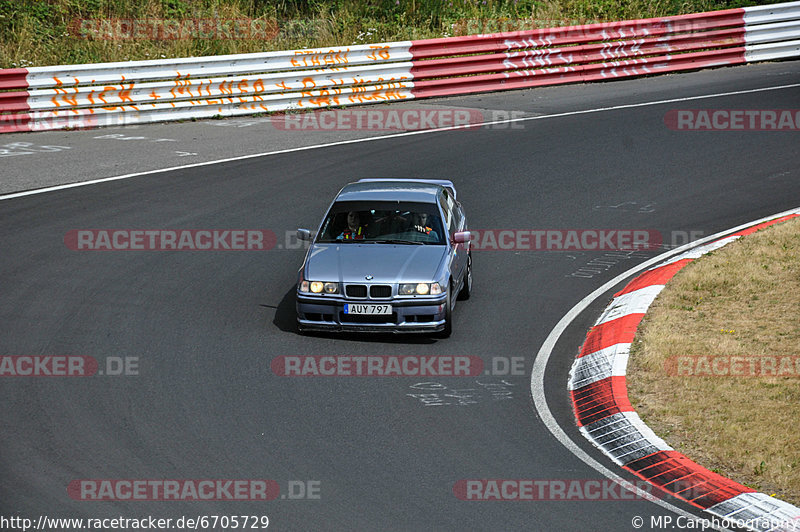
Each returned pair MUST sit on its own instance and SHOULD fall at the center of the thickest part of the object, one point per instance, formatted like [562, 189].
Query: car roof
[390, 191]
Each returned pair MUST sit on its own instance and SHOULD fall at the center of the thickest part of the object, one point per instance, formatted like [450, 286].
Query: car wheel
[466, 289]
[448, 315]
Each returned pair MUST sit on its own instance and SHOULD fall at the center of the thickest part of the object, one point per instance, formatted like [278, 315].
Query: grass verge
[50, 32]
[740, 301]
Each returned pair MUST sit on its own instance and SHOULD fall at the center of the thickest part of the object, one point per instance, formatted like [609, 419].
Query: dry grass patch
[740, 301]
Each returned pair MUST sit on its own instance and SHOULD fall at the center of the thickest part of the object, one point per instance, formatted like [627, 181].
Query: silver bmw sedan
[390, 255]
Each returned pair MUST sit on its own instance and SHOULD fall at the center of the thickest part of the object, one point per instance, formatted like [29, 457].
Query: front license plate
[352, 308]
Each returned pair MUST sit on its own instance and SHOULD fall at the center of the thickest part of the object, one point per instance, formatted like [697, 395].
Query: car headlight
[421, 289]
[331, 288]
[317, 287]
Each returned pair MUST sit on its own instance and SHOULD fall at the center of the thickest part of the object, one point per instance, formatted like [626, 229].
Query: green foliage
[175, 9]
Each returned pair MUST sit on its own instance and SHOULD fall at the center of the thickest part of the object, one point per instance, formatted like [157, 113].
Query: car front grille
[356, 290]
[380, 291]
[376, 291]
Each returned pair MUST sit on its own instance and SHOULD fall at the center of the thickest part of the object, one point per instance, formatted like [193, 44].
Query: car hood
[386, 263]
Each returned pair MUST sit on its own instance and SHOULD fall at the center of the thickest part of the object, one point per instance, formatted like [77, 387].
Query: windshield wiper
[345, 241]
[397, 241]
[376, 241]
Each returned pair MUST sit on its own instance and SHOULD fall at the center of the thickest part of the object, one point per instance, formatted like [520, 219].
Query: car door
[454, 221]
[460, 222]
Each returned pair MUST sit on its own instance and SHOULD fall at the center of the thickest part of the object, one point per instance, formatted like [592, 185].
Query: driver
[421, 221]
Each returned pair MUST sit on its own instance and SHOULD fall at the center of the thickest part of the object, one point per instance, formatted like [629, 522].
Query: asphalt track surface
[206, 324]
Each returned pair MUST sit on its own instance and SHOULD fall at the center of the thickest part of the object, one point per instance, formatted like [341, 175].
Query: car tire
[448, 315]
[466, 289]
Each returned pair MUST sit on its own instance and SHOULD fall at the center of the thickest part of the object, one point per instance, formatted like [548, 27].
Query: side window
[458, 218]
[447, 207]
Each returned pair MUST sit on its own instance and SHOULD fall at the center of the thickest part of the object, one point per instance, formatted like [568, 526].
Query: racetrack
[205, 325]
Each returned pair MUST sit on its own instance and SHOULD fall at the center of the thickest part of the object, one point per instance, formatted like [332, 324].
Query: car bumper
[408, 316]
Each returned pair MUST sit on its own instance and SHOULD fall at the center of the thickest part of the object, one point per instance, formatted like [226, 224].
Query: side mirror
[462, 237]
[304, 234]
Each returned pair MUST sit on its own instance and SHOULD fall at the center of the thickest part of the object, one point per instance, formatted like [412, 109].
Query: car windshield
[382, 222]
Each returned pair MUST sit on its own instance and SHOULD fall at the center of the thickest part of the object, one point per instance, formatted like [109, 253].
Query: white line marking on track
[391, 136]
[543, 356]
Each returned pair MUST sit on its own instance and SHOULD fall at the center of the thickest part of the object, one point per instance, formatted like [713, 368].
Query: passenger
[354, 230]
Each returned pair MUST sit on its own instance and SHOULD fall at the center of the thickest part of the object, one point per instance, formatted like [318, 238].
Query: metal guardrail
[605, 51]
[90, 95]
[202, 87]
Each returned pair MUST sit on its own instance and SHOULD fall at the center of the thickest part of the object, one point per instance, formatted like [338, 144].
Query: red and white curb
[606, 418]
